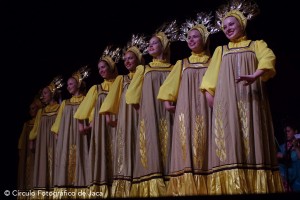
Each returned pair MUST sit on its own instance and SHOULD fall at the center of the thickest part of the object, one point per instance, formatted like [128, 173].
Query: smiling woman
[100, 134]
[242, 144]
[71, 171]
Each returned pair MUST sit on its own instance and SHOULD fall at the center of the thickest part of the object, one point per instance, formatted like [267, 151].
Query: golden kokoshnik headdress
[111, 56]
[81, 74]
[56, 84]
[203, 23]
[168, 32]
[137, 45]
[242, 10]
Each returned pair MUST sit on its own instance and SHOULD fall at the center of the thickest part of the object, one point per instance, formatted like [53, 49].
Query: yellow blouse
[48, 110]
[73, 99]
[86, 108]
[265, 56]
[169, 89]
[134, 90]
[112, 101]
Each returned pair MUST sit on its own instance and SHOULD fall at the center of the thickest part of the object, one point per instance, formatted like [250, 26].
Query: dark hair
[290, 124]
[57, 96]
[82, 88]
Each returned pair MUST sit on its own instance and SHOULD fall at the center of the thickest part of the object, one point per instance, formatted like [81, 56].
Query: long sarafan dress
[189, 153]
[45, 146]
[242, 146]
[26, 158]
[70, 173]
[153, 141]
[100, 150]
[124, 137]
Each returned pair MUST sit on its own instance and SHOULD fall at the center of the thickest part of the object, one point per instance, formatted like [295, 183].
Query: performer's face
[130, 60]
[232, 28]
[104, 70]
[155, 48]
[195, 41]
[33, 108]
[46, 95]
[73, 86]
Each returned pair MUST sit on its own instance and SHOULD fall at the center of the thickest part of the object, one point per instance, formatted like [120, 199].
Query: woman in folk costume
[152, 148]
[101, 135]
[242, 147]
[127, 120]
[71, 156]
[189, 150]
[26, 156]
[43, 140]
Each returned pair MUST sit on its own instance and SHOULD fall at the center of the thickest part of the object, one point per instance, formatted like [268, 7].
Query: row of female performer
[199, 127]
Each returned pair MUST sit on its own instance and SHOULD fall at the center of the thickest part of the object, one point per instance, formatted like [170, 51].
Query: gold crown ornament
[56, 84]
[203, 23]
[242, 10]
[111, 55]
[81, 74]
[167, 32]
[137, 45]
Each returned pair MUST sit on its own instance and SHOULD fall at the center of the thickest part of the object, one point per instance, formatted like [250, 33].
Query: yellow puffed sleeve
[55, 126]
[168, 91]
[134, 90]
[210, 78]
[21, 138]
[266, 59]
[112, 100]
[87, 105]
[33, 132]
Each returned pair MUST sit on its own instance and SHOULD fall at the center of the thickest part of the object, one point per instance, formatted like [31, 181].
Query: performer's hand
[136, 106]
[32, 145]
[169, 106]
[81, 126]
[210, 99]
[248, 79]
[109, 121]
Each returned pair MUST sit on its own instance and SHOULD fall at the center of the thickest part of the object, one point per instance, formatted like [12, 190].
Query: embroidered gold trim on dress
[143, 150]
[126, 81]
[121, 188]
[72, 164]
[182, 134]
[120, 151]
[244, 126]
[50, 110]
[199, 141]
[219, 133]
[68, 102]
[163, 137]
[150, 68]
[149, 177]
[50, 161]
